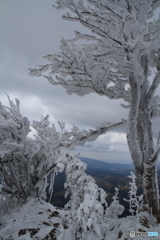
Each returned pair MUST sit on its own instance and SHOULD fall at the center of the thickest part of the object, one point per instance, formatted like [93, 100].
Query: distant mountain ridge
[92, 163]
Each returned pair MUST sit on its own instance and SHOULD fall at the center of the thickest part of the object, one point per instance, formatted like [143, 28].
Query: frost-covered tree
[120, 61]
[25, 162]
[115, 209]
[87, 204]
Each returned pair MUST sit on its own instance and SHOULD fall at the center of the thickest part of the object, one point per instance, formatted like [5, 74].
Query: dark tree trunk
[150, 190]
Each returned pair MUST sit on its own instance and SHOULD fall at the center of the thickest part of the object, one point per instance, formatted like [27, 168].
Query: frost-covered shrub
[115, 209]
[24, 162]
[16, 151]
[134, 201]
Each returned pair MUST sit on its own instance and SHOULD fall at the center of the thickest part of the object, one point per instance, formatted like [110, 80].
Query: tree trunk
[150, 190]
[146, 170]
[149, 180]
[140, 142]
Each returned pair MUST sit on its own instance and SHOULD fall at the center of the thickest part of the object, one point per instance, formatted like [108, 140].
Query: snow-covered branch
[102, 66]
[155, 154]
[153, 87]
[79, 137]
[83, 72]
[48, 137]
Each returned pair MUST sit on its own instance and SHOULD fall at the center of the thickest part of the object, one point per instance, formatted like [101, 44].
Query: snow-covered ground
[40, 220]
[34, 220]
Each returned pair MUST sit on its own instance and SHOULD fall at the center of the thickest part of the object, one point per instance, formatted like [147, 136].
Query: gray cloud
[110, 147]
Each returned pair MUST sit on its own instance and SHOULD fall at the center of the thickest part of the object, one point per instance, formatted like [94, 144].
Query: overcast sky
[29, 30]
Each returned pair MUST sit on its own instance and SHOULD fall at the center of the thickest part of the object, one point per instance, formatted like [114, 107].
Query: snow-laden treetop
[122, 32]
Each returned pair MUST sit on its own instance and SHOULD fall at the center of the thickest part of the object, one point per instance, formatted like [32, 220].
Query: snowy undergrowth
[40, 220]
